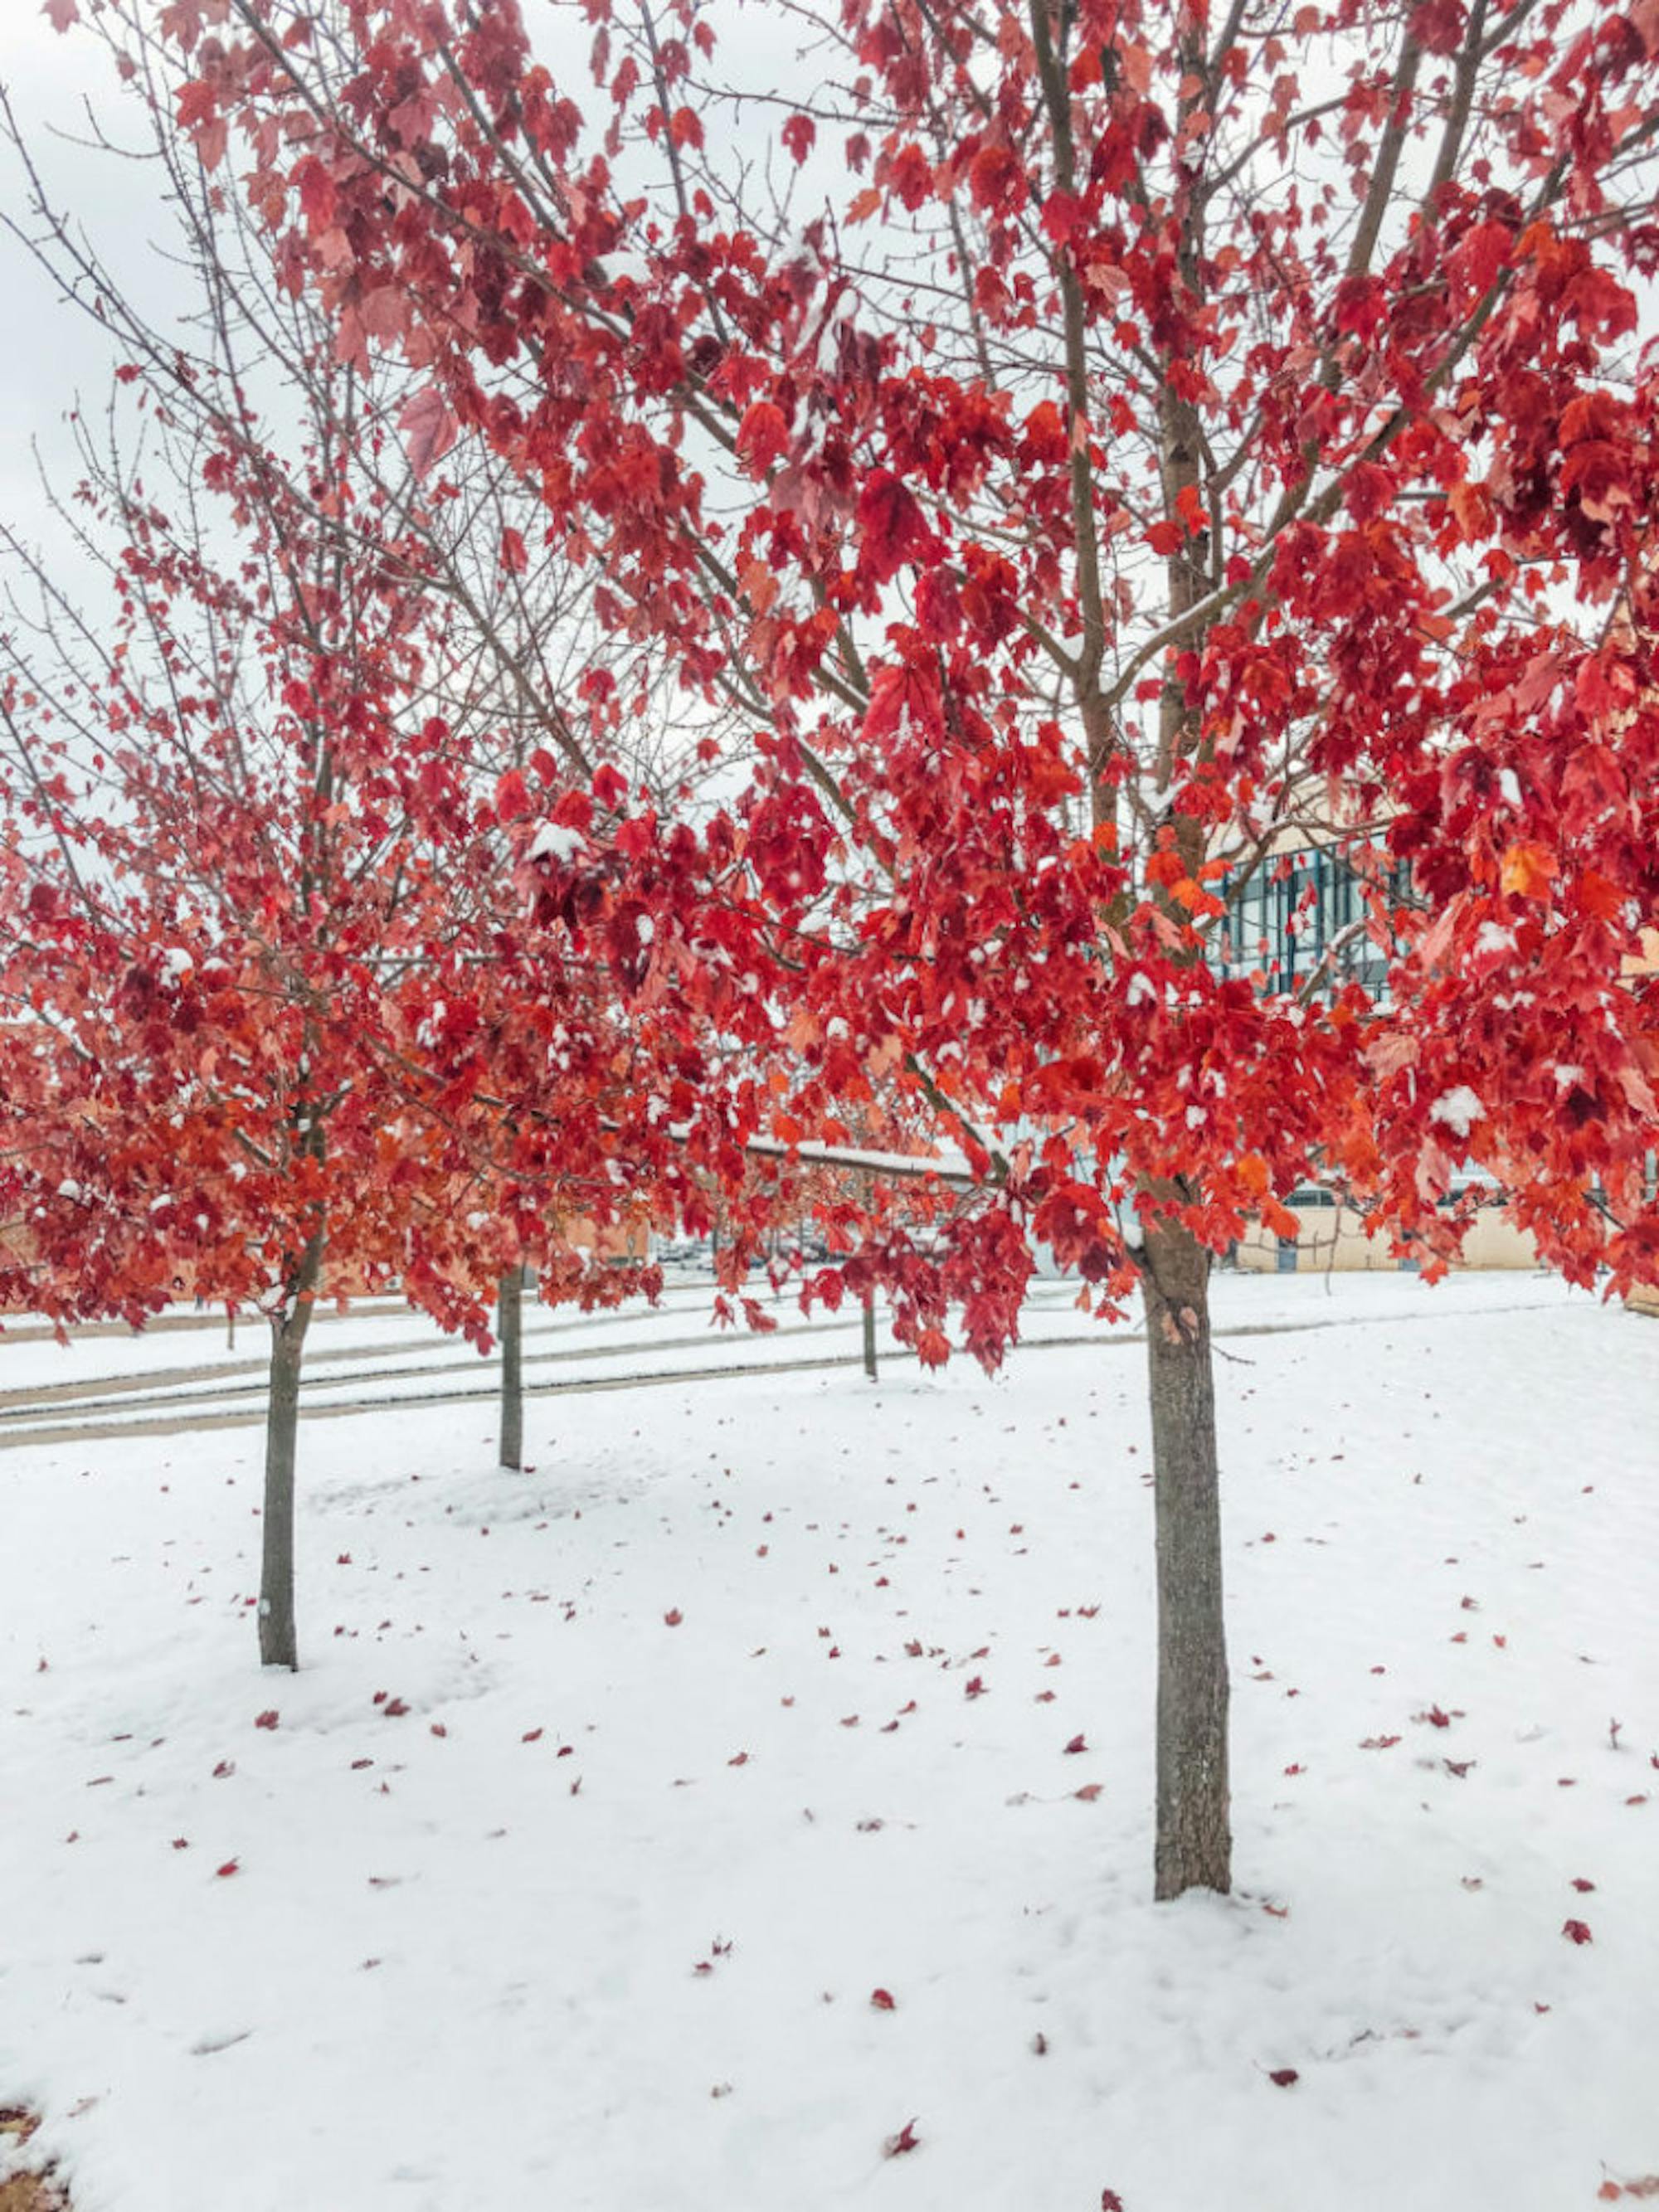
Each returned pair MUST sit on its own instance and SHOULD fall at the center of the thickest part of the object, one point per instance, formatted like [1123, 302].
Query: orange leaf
[1528, 869]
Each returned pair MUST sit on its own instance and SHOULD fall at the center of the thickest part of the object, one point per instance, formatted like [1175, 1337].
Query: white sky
[51, 353]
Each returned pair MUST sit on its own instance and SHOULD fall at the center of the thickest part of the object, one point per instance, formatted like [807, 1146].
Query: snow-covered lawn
[568, 1872]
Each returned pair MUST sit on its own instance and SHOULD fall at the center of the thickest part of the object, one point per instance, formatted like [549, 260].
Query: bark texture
[279, 1640]
[1193, 1845]
[870, 1336]
[509, 1331]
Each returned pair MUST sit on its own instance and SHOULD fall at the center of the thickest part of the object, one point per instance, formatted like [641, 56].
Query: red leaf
[512, 796]
[430, 427]
[906, 2139]
[266, 1719]
[892, 528]
[1077, 1744]
[883, 2000]
[514, 559]
[181, 1842]
[1111, 2201]
[673, 1617]
[1581, 1885]
[229, 1868]
[1368, 490]
[762, 437]
[1062, 213]
[530, 1735]
[1089, 1792]
[1282, 2077]
[1576, 1931]
[798, 135]
[974, 1686]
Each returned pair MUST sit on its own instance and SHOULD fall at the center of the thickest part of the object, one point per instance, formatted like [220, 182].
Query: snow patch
[555, 841]
[1459, 1110]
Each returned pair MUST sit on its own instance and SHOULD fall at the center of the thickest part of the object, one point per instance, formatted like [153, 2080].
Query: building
[1297, 921]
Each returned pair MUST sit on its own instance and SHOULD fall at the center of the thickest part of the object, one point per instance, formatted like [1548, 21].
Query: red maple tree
[265, 1039]
[1186, 432]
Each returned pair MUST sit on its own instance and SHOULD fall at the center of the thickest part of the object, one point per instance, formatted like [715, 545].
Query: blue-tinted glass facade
[1286, 917]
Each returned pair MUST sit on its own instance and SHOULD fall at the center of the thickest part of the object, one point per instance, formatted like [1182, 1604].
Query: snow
[1508, 786]
[176, 964]
[948, 1164]
[554, 841]
[1492, 937]
[468, 1971]
[1459, 1110]
[1142, 991]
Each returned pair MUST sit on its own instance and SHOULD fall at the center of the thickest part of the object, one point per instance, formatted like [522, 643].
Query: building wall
[1334, 1236]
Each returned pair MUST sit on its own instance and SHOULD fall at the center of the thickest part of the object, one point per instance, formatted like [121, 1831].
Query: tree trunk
[870, 1334]
[278, 1645]
[1193, 1846]
[509, 1329]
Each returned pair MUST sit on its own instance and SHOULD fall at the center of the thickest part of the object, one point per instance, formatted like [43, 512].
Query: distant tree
[260, 1040]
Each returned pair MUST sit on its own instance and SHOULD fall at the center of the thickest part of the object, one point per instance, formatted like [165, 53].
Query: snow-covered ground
[568, 1871]
[104, 1377]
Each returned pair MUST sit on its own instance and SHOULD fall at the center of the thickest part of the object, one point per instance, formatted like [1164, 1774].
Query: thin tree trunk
[870, 1334]
[278, 1644]
[1193, 1845]
[509, 1329]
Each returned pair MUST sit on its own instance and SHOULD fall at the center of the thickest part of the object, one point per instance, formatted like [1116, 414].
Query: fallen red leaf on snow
[882, 2000]
[673, 1617]
[1576, 1931]
[230, 1867]
[1283, 2077]
[906, 2139]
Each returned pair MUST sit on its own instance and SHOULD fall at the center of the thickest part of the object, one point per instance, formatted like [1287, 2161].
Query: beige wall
[1335, 1236]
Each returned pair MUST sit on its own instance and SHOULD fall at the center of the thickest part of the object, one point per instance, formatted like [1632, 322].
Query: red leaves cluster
[945, 913]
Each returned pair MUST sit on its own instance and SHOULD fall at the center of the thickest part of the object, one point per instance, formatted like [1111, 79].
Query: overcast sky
[51, 351]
